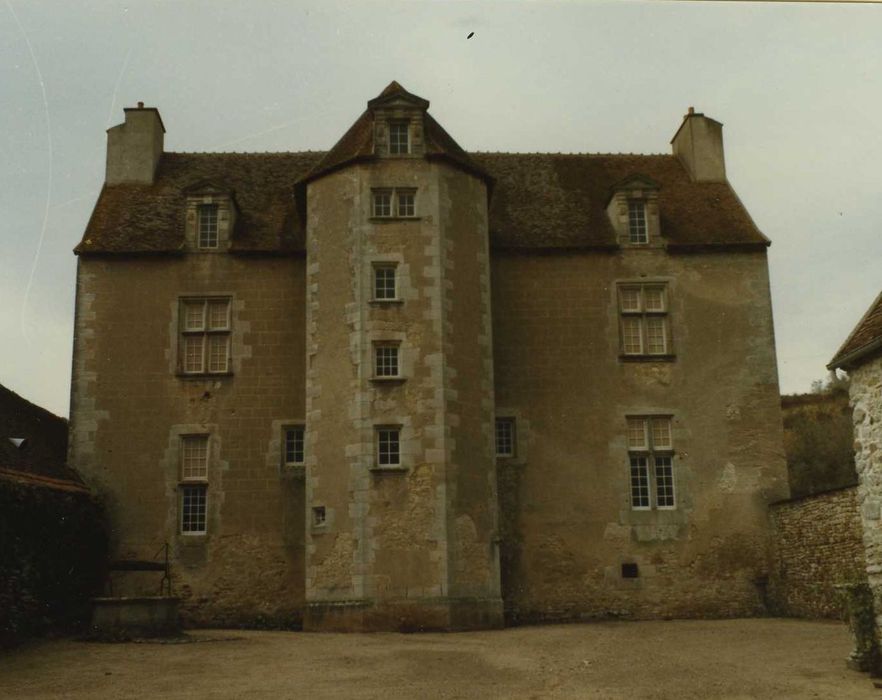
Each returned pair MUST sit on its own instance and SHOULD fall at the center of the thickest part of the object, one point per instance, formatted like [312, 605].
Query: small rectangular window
[406, 203]
[205, 336]
[651, 462]
[386, 361]
[505, 437]
[385, 282]
[637, 231]
[388, 447]
[207, 214]
[382, 206]
[293, 445]
[319, 516]
[399, 138]
[630, 570]
[193, 509]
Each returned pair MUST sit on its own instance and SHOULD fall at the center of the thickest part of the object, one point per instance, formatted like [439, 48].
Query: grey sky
[798, 88]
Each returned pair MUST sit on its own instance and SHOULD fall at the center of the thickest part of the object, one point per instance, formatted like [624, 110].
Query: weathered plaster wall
[128, 409]
[865, 391]
[568, 524]
[816, 544]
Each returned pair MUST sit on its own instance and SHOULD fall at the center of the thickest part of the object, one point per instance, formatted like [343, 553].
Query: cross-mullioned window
[388, 446]
[651, 462]
[205, 336]
[194, 484]
[385, 287]
[644, 319]
[386, 361]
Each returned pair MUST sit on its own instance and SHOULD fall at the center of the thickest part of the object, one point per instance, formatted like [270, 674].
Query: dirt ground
[680, 659]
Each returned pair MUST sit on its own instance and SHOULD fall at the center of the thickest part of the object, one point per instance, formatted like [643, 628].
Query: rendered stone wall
[817, 544]
[568, 525]
[866, 398]
[129, 408]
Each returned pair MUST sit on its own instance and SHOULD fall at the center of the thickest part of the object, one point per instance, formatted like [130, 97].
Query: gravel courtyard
[680, 659]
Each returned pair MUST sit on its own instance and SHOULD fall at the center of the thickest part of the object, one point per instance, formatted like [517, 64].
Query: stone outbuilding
[861, 356]
[396, 385]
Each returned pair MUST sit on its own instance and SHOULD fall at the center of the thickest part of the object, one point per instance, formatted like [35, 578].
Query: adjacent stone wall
[866, 398]
[816, 545]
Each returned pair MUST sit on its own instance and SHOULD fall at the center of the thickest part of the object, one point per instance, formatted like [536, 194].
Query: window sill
[647, 358]
[383, 302]
[388, 380]
[389, 468]
[388, 219]
[202, 375]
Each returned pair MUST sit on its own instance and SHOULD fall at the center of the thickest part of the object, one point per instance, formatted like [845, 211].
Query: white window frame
[405, 210]
[642, 317]
[395, 144]
[505, 424]
[207, 226]
[384, 267]
[387, 356]
[194, 481]
[295, 434]
[210, 332]
[384, 436]
[638, 223]
[656, 450]
[386, 203]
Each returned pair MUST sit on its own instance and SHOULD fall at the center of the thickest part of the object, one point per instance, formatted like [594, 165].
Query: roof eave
[852, 359]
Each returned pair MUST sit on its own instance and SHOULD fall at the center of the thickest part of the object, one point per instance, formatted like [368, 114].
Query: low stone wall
[816, 544]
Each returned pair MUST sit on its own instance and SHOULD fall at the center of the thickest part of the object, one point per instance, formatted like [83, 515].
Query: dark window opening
[630, 571]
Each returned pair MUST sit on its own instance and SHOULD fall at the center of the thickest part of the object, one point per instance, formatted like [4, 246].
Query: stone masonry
[581, 417]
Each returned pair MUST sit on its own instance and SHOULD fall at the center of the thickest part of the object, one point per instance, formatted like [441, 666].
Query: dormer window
[399, 138]
[208, 231]
[637, 231]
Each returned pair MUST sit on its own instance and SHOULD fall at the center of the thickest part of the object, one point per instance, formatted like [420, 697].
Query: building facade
[399, 386]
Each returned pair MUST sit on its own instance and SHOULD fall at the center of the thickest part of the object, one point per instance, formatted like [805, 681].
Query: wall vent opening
[630, 570]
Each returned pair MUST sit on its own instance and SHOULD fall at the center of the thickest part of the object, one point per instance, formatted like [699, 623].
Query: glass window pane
[194, 315]
[505, 437]
[639, 482]
[661, 434]
[194, 457]
[637, 434]
[406, 204]
[637, 222]
[218, 316]
[656, 335]
[664, 482]
[631, 299]
[193, 353]
[386, 364]
[388, 447]
[654, 298]
[193, 509]
[384, 282]
[208, 226]
[632, 338]
[294, 445]
[218, 352]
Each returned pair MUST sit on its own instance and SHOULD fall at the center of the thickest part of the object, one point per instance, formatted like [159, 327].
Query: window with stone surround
[205, 335]
[505, 437]
[638, 233]
[399, 138]
[393, 203]
[386, 361]
[388, 446]
[651, 462]
[645, 330]
[193, 485]
[385, 282]
[292, 445]
[207, 226]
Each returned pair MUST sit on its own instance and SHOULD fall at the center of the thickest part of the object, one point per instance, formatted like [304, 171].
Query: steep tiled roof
[538, 200]
[865, 340]
[559, 201]
[44, 452]
[150, 218]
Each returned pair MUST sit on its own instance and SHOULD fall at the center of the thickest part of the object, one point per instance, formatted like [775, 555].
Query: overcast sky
[798, 88]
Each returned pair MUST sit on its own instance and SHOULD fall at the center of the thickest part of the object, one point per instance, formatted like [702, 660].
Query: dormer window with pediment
[633, 212]
[210, 218]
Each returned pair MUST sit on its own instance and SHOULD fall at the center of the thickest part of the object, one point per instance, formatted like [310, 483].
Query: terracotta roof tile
[864, 341]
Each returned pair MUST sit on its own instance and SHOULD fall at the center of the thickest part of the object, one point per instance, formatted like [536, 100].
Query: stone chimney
[135, 147]
[698, 144]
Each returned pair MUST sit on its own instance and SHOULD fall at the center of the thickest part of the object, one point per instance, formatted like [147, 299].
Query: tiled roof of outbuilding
[538, 201]
[45, 451]
[864, 341]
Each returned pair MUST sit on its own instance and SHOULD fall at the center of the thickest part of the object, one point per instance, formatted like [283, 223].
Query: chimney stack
[698, 144]
[135, 147]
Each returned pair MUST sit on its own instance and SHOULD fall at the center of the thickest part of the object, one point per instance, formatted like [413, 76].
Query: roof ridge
[243, 153]
[568, 154]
